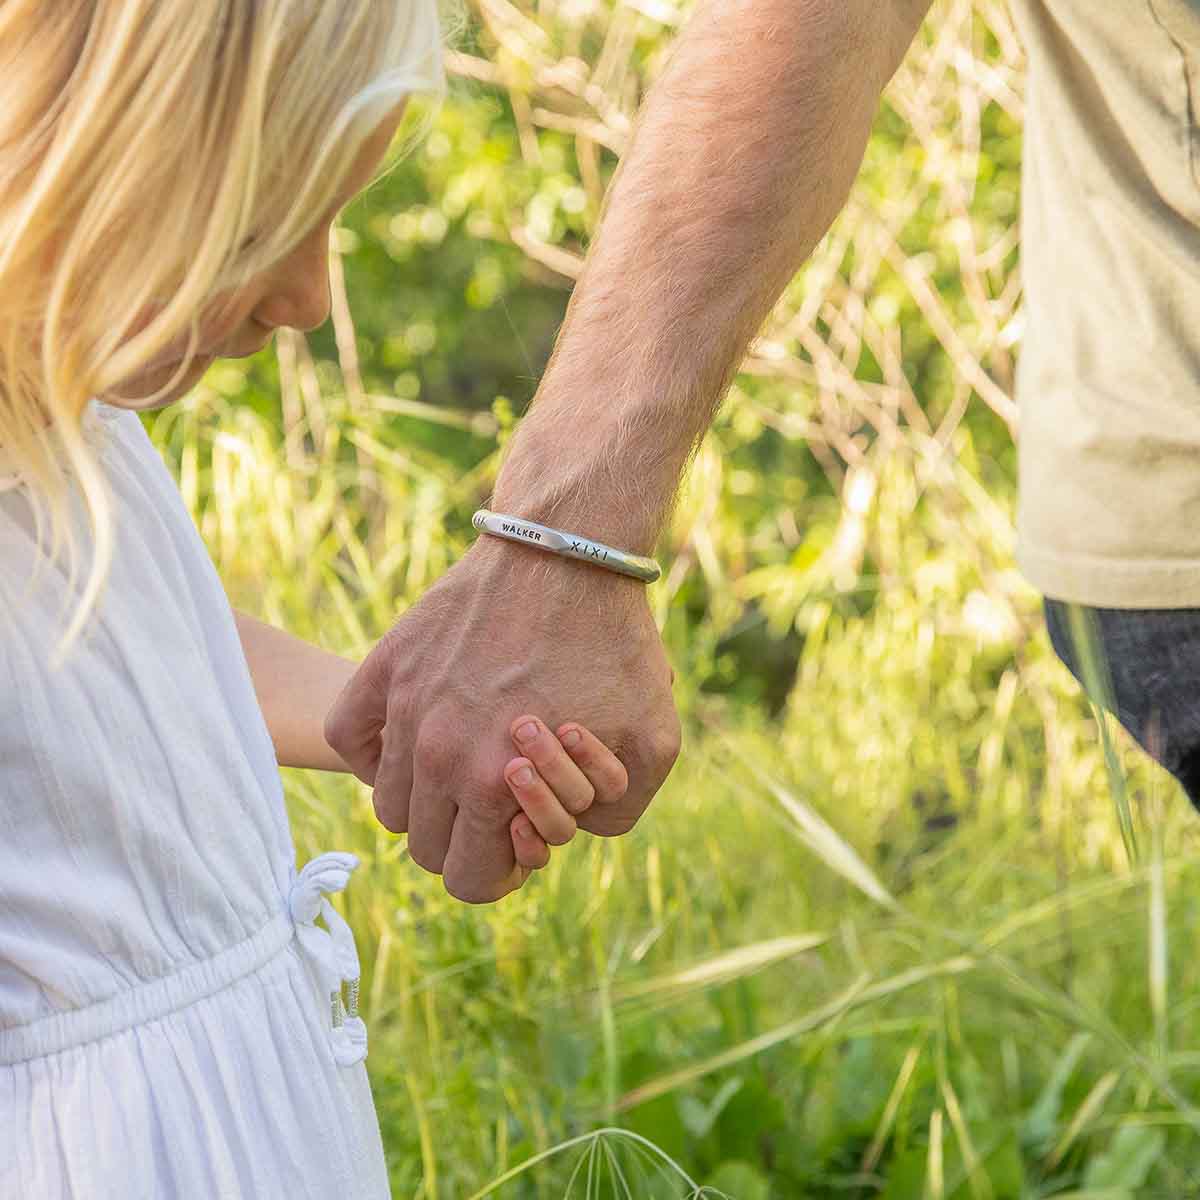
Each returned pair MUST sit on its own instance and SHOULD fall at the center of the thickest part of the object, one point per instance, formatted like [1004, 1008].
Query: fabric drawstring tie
[331, 951]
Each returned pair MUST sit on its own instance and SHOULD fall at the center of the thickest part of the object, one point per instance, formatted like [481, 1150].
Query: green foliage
[1130, 1159]
[879, 935]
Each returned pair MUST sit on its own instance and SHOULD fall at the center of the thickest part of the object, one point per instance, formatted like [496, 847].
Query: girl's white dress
[167, 1021]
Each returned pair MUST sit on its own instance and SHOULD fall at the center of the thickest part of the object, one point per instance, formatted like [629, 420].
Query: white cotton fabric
[166, 1026]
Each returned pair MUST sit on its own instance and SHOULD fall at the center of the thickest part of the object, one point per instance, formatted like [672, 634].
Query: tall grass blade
[820, 837]
[871, 1156]
[723, 968]
[858, 993]
[935, 1185]
[1089, 651]
[1091, 1104]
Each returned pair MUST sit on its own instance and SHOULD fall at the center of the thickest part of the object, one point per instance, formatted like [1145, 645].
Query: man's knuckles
[608, 821]
[652, 752]
[337, 729]
[436, 751]
[427, 857]
[490, 800]
[666, 744]
[388, 813]
[471, 891]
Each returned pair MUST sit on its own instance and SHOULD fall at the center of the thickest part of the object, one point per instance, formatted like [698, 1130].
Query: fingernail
[522, 776]
[570, 738]
[527, 732]
[524, 829]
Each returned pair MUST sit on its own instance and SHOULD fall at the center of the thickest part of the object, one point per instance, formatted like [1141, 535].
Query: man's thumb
[354, 725]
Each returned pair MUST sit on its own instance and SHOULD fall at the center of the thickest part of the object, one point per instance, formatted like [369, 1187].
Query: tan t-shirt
[1108, 382]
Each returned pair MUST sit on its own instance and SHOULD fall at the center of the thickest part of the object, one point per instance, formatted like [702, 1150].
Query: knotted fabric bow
[331, 951]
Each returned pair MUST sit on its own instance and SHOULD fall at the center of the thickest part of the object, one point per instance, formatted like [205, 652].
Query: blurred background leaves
[878, 935]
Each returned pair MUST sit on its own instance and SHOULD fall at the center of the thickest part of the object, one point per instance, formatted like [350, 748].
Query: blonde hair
[141, 144]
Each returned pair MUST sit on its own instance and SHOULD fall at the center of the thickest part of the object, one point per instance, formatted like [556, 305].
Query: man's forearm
[742, 156]
[296, 684]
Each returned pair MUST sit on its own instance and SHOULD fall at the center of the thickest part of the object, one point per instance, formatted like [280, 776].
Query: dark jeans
[1153, 657]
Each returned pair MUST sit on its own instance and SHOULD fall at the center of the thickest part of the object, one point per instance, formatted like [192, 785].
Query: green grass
[909, 919]
[886, 943]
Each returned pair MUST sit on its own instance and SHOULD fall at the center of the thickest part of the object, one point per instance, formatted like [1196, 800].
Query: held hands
[554, 784]
[428, 718]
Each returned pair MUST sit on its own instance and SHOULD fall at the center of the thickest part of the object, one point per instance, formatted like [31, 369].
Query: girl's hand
[564, 781]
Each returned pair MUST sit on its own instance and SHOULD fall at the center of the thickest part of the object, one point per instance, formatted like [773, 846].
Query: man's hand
[740, 159]
[507, 630]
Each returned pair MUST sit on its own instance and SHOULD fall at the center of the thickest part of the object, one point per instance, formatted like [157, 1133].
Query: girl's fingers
[539, 803]
[604, 770]
[571, 787]
[532, 853]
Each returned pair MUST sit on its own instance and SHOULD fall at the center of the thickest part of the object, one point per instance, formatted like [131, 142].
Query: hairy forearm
[296, 684]
[742, 156]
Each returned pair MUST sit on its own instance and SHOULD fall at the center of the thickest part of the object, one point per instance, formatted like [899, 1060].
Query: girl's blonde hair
[142, 143]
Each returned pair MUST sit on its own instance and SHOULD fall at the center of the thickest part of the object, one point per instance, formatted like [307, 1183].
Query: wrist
[606, 471]
[591, 500]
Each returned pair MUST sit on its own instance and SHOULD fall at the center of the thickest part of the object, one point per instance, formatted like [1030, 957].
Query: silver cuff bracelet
[558, 541]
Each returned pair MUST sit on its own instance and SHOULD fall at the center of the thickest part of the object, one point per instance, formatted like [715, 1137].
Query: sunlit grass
[924, 927]
[796, 977]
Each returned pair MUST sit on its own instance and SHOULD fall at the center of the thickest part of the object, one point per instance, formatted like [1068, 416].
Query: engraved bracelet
[558, 541]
